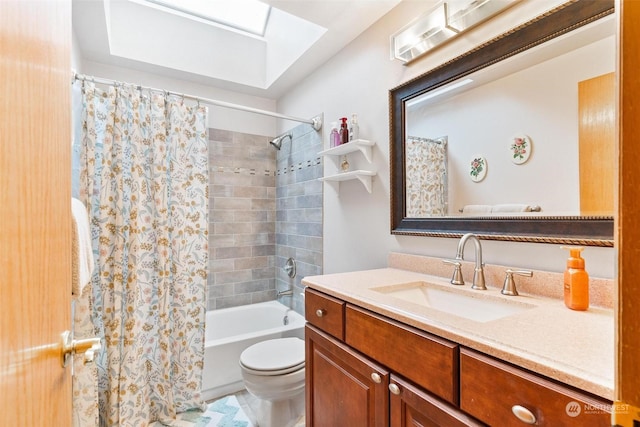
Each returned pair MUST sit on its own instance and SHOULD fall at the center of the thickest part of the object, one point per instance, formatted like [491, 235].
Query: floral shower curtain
[426, 179]
[144, 180]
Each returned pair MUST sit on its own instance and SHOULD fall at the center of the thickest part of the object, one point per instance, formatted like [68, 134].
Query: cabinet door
[343, 388]
[413, 407]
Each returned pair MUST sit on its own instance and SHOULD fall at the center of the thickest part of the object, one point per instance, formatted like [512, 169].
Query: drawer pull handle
[394, 389]
[523, 414]
[376, 378]
[320, 312]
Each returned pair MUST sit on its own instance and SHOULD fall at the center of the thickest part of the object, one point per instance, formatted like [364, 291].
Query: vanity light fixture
[446, 21]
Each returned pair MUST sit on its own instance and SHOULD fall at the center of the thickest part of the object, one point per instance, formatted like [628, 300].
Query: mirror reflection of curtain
[426, 176]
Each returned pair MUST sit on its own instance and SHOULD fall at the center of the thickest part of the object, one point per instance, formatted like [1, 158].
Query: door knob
[69, 346]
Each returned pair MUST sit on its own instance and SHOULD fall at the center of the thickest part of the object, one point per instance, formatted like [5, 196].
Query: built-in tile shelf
[364, 176]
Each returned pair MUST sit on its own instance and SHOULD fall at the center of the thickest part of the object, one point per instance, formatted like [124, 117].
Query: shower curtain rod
[316, 122]
[440, 140]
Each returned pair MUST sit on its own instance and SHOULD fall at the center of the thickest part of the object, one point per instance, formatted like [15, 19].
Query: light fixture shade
[464, 14]
[423, 34]
[441, 24]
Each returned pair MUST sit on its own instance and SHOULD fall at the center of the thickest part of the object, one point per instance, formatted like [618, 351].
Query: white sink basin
[473, 305]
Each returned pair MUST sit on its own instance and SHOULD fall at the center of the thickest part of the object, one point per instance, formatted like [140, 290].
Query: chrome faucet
[478, 272]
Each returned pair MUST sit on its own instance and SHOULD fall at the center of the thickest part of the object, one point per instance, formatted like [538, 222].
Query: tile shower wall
[298, 210]
[265, 206]
[241, 219]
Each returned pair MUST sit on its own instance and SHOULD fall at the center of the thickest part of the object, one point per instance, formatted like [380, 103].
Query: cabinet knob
[320, 312]
[376, 378]
[394, 389]
[523, 414]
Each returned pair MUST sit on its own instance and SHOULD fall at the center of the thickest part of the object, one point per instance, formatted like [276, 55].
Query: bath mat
[224, 412]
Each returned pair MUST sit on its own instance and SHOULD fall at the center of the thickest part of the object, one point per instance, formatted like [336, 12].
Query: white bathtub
[229, 331]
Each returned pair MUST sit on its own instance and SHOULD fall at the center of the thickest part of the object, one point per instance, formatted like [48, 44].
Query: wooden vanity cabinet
[368, 370]
[347, 384]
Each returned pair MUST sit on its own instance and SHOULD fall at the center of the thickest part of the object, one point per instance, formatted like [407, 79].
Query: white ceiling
[128, 34]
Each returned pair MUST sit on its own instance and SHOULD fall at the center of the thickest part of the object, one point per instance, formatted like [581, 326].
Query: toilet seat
[273, 357]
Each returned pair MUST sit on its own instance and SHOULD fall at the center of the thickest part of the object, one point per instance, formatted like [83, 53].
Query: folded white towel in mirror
[476, 209]
[511, 207]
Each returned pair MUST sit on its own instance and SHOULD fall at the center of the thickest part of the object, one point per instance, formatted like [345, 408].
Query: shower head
[277, 141]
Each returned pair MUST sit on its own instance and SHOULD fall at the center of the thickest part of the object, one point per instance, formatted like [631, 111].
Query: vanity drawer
[324, 312]
[489, 390]
[424, 359]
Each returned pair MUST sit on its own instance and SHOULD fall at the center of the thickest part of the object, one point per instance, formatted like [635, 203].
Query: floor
[249, 405]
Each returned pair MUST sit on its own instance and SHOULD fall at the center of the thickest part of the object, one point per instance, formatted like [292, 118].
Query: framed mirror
[514, 125]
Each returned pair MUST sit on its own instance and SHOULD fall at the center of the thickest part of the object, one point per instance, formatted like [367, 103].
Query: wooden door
[627, 229]
[35, 211]
[597, 141]
[343, 388]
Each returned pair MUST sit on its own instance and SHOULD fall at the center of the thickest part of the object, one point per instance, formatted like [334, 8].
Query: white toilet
[273, 372]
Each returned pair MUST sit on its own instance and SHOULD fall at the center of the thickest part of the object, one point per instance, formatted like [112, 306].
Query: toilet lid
[274, 355]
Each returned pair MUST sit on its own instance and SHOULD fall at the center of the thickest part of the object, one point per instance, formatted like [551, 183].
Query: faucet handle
[457, 278]
[509, 287]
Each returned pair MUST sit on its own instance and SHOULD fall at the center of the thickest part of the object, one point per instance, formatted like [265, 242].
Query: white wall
[357, 80]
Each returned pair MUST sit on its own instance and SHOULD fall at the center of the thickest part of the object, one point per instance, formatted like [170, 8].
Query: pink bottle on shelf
[334, 137]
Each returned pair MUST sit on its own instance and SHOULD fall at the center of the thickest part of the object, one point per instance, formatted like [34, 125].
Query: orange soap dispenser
[576, 280]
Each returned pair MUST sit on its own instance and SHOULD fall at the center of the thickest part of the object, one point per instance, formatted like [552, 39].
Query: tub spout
[285, 293]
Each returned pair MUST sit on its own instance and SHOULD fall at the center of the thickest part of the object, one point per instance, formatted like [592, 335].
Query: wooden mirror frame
[575, 230]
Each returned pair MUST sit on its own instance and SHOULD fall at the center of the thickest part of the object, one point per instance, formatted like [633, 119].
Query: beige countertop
[576, 348]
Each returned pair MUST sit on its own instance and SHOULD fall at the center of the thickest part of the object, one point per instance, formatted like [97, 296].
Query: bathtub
[229, 331]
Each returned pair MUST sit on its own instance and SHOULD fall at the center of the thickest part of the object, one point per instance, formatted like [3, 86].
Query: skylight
[245, 15]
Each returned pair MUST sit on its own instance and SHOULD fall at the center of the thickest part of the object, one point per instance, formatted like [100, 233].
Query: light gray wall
[357, 80]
